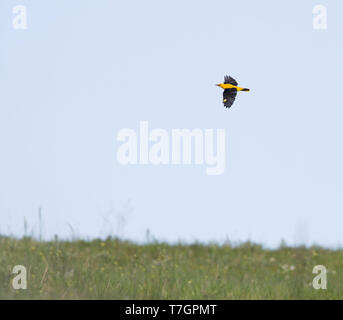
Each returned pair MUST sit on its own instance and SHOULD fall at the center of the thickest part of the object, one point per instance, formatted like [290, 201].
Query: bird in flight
[230, 87]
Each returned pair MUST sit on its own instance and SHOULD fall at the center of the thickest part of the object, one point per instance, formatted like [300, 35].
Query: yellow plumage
[229, 86]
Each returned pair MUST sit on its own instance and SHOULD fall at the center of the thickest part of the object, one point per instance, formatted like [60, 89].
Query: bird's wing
[229, 96]
[230, 80]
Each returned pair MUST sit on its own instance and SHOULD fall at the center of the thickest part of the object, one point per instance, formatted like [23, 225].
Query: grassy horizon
[116, 269]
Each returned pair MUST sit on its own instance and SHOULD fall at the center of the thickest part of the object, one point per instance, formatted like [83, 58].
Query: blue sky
[83, 70]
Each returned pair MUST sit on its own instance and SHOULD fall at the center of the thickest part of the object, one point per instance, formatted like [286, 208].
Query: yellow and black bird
[230, 87]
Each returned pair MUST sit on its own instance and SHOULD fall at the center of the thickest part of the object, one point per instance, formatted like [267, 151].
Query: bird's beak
[218, 85]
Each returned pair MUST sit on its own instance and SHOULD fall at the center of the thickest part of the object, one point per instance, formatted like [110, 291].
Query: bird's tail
[245, 89]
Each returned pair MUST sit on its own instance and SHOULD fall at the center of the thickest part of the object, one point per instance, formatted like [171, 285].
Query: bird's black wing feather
[229, 96]
[230, 80]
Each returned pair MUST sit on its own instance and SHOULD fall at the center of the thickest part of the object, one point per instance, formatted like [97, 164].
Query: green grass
[115, 269]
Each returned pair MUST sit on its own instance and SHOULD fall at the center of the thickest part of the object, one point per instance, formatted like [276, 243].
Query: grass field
[115, 269]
